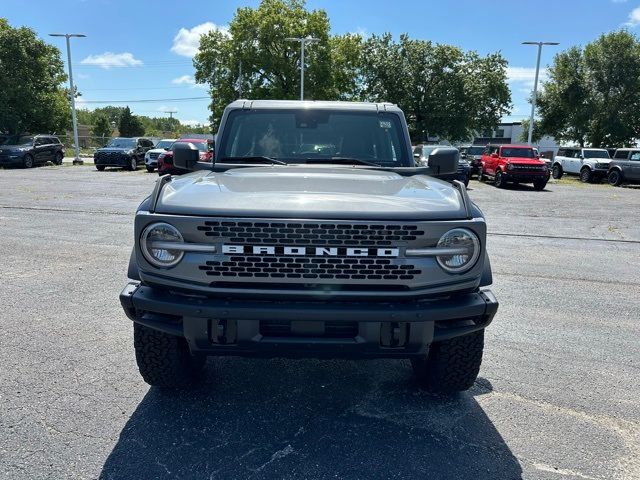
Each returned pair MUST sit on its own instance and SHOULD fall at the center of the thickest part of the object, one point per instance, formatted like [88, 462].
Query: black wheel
[100, 168]
[540, 184]
[499, 180]
[133, 164]
[585, 175]
[150, 169]
[556, 172]
[165, 360]
[58, 159]
[481, 177]
[27, 161]
[451, 365]
[615, 178]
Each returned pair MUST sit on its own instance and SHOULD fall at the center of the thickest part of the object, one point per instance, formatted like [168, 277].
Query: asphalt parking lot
[558, 395]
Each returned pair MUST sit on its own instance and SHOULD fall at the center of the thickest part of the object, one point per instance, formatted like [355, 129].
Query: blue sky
[152, 41]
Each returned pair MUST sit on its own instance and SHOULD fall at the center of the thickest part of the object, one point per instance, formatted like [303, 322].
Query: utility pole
[171, 112]
[77, 160]
[535, 86]
[303, 41]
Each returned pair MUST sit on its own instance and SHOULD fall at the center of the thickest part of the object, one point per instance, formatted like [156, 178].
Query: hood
[157, 150]
[307, 192]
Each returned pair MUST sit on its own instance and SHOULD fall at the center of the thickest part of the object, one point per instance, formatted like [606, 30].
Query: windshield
[19, 140]
[475, 150]
[122, 143]
[300, 136]
[518, 152]
[596, 154]
[166, 144]
[202, 146]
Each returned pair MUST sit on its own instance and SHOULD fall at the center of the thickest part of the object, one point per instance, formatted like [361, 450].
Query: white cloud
[110, 59]
[524, 77]
[184, 80]
[187, 41]
[634, 17]
[83, 76]
[618, 1]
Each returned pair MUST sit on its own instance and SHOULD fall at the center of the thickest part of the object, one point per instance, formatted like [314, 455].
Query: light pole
[535, 84]
[303, 41]
[77, 160]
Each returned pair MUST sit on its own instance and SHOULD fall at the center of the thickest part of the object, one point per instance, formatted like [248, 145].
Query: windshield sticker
[386, 124]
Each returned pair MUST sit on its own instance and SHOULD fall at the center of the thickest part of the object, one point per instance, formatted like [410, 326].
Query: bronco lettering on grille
[311, 251]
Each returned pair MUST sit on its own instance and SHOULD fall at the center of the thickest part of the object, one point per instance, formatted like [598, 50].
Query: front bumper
[222, 326]
[113, 160]
[13, 159]
[528, 177]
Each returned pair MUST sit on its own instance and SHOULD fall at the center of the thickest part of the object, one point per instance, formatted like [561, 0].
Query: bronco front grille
[528, 168]
[281, 233]
[154, 155]
[341, 268]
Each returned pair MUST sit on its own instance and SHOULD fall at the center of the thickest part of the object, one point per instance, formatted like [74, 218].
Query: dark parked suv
[30, 150]
[122, 152]
[625, 167]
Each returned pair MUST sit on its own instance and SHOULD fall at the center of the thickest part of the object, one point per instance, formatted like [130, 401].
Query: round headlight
[155, 243]
[509, 166]
[465, 250]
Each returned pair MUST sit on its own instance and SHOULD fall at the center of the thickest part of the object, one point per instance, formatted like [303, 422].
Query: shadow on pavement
[310, 419]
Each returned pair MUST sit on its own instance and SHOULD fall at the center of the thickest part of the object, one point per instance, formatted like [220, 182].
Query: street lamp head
[67, 35]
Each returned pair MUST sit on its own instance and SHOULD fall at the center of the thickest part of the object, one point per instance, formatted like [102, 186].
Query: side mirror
[444, 161]
[185, 156]
[581, 157]
[494, 155]
[416, 155]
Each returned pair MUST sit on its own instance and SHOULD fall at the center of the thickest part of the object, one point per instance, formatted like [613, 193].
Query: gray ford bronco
[312, 235]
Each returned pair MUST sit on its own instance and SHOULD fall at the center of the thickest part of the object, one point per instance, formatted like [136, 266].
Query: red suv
[515, 164]
[165, 160]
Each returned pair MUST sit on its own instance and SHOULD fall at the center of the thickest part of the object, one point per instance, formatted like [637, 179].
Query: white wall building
[511, 132]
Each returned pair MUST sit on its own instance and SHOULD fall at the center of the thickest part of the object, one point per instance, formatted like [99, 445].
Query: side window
[635, 157]
[576, 153]
[148, 143]
[562, 152]
[417, 151]
[40, 141]
[495, 149]
[53, 141]
[621, 154]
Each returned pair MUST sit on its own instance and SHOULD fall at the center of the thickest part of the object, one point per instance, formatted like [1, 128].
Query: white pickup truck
[591, 164]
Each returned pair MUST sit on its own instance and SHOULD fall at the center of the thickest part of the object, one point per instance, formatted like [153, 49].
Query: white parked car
[591, 164]
[151, 157]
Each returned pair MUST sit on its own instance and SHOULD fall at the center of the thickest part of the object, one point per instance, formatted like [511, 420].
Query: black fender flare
[487, 275]
[132, 272]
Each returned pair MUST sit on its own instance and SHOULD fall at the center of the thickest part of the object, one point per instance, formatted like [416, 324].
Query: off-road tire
[100, 168]
[481, 177]
[133, 164]
[451, 365]
[586, 176]
[556, 172]
[150, 169]
[165, 360]
[27, 161]
[58, 159]
[499, 180]
[539, 185]
[615, 178]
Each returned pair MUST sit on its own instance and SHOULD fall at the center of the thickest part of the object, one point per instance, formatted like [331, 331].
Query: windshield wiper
[257, 158]
[342, 160]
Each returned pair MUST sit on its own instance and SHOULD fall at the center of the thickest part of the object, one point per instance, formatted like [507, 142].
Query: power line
[148, 100]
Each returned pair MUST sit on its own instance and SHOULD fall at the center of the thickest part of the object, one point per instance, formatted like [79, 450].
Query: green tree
[256, 42]
[101, 128]
[31, 96]
[130, 125]
[593, 93]
[443, 90]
